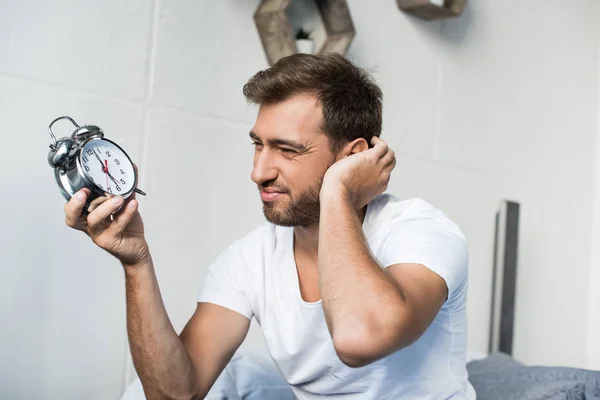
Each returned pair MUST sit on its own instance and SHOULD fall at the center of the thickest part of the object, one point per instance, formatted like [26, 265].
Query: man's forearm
[358, 297]
[160, 359]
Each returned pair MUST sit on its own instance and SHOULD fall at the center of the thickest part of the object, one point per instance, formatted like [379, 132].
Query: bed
[496, 375]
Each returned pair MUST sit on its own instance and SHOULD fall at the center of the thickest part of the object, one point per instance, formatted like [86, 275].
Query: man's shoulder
[415, 231]
[394, 205]
[388, 210]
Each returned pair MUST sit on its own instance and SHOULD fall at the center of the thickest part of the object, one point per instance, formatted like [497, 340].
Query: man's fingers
[74, 207]
[386, 173]
[131, 197]
[125, 216]
[379, 146]
[97, 219]
[388, 158]
[97, 201]
[391, 166]
[388, 162]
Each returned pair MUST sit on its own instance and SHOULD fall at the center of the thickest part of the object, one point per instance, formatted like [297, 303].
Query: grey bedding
[499, 377]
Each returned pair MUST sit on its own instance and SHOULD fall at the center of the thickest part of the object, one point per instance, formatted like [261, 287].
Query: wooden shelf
[426, 10]
[276, 32]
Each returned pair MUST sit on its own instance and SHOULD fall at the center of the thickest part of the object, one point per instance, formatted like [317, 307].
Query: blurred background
[498, 103]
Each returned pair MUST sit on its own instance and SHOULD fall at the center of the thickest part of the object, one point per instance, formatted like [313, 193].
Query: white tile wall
[413, 178]
[519, 100]
[593, 350]
[500, 103]
[554, 266]
[100, 46]
[205, 52]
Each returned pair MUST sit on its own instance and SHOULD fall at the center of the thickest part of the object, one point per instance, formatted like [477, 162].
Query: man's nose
[264, 167]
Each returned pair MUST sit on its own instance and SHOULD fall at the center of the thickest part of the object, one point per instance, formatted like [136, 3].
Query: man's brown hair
[351, 101]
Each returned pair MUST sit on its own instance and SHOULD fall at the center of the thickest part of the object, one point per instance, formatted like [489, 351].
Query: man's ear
[356, 146]
[353, 147]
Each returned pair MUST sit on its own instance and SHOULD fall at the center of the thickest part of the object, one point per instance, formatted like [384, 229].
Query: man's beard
[304, 210]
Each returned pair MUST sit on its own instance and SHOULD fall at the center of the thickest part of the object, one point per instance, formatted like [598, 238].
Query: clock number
[123, 181]
[107, 153]
[90, 152]
[85, 160]
[109, 189]
[122, 172]
[87, 168]
[117, 161]
[118, 187]
[100, 186]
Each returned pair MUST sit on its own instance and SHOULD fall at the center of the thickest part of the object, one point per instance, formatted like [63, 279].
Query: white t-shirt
[256, 276]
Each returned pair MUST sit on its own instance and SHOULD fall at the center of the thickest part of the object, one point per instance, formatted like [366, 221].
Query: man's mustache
[272, 186]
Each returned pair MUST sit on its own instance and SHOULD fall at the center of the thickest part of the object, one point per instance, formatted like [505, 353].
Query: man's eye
[256, 144]
[288, 151]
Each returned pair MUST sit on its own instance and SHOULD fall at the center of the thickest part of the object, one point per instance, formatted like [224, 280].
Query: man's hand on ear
[361, 176]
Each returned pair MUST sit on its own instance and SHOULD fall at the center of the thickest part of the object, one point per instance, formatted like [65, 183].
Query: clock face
[107, 166]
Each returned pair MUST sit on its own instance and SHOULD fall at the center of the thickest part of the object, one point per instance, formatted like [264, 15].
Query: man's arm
[371, 312]
[211, 338]
[168, 366]
[171, 366]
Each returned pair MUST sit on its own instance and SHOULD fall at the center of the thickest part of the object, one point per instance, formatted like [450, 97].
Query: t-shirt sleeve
[430, 239]
[227, 283]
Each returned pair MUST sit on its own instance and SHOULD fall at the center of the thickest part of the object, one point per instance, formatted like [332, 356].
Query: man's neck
[306, 238]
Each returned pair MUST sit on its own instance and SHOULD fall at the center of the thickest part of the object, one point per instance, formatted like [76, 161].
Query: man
[359, 295]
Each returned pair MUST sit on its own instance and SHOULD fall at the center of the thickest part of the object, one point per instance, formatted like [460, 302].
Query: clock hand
[98, 157]
[105, 169]
[135, 189]
[111, 177]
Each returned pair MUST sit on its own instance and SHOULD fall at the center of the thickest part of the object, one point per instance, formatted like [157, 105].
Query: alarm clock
[87, 159]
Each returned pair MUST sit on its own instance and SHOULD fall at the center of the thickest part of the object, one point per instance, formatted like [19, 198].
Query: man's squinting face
[291, 157]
